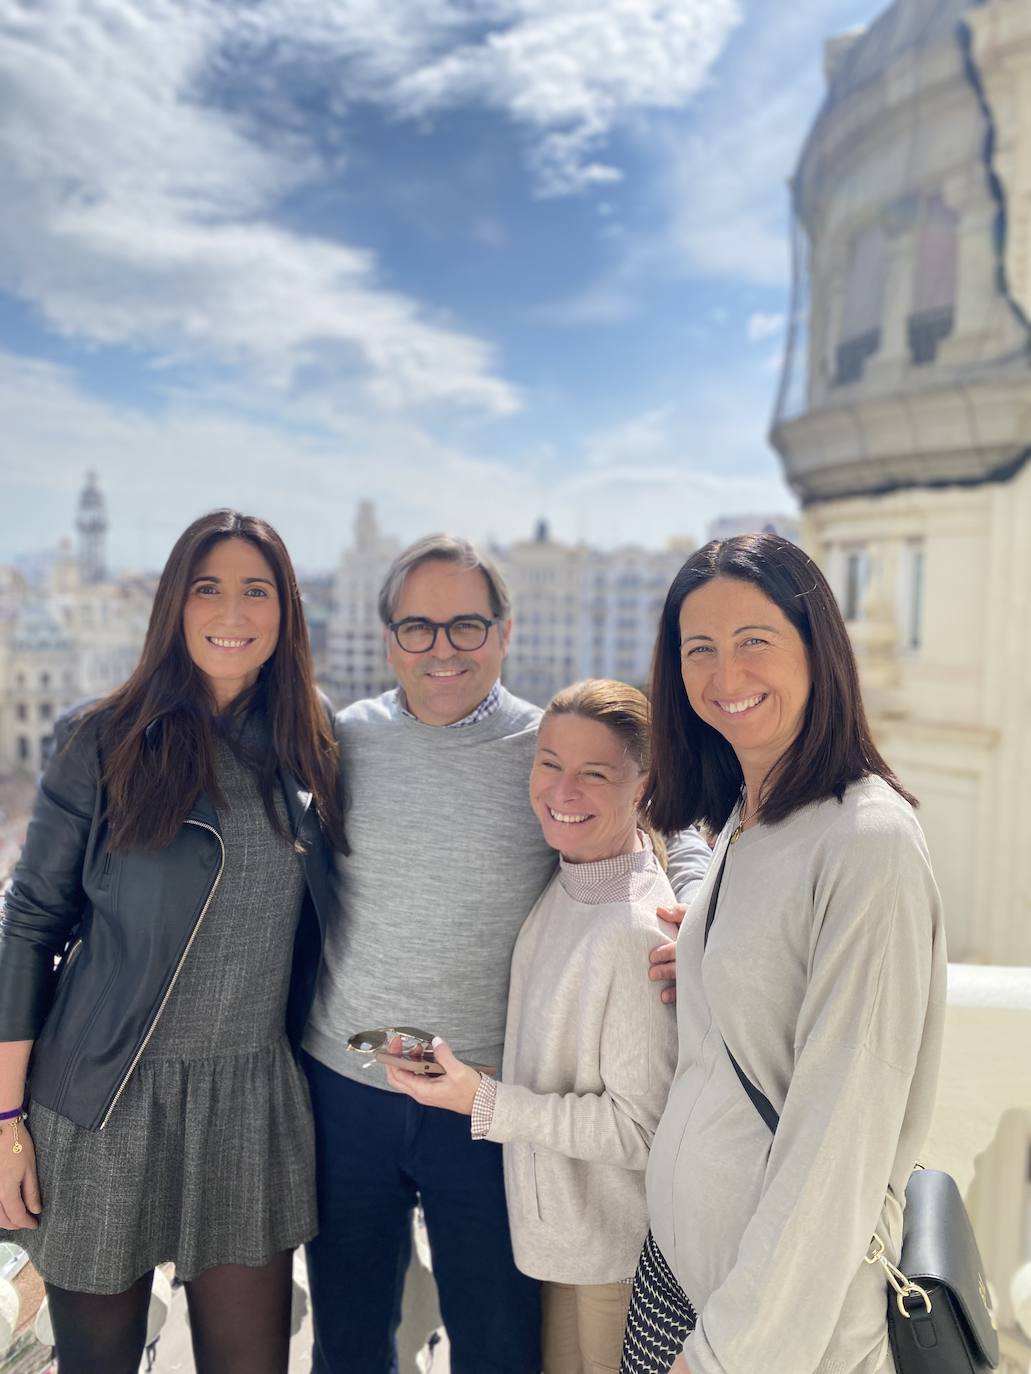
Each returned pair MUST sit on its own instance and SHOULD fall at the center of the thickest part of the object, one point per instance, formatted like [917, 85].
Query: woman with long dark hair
[177, 865]
[810, 985]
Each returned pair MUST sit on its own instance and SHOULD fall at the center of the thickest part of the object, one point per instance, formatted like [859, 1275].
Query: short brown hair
[443, 548]
[695, 777]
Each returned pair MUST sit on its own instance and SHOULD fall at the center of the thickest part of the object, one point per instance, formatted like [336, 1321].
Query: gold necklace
[735, 834]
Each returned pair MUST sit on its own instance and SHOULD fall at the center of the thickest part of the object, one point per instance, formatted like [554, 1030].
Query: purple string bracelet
[18, 1111]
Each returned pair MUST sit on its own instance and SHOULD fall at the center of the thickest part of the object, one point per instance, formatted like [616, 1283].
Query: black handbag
[940, 1318]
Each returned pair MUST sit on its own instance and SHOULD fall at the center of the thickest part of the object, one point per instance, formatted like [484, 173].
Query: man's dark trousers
[376, 1150]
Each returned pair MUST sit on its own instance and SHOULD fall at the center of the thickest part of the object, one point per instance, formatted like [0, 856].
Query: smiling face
[444, 684]
[231, 616]
[745, 670]
[585, 789]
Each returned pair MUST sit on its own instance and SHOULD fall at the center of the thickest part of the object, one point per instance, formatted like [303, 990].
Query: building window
[857, 569]
[22, 711]
[46, 710]
[23, 749]
[925, 331]
[44, 679]
[914, 594]
[851, 357]
[934, 281]
[859, 336]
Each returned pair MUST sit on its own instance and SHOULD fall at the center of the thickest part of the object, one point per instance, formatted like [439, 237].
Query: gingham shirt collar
[618, 879]
[487, 707]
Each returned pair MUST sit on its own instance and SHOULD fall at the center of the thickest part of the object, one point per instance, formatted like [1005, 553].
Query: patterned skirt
[660, 1317]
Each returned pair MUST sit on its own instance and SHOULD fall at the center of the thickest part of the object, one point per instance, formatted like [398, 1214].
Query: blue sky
[479, 261]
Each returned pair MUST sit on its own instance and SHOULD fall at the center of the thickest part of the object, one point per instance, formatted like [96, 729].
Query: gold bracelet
[17, 1147]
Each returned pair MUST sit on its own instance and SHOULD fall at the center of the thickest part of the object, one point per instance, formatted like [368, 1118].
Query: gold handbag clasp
[904, 1288]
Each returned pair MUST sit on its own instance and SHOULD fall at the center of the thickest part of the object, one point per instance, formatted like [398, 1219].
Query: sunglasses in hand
[405, 1047]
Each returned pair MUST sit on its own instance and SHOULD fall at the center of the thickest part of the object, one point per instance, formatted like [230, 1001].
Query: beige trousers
[583, 1326]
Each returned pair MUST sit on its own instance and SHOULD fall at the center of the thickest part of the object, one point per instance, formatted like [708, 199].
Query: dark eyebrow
[770, 629]
[464, 615]
[247, 581]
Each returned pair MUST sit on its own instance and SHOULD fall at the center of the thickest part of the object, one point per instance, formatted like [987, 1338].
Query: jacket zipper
[178, 969]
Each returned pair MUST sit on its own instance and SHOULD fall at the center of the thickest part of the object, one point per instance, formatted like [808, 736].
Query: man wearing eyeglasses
[446, 861]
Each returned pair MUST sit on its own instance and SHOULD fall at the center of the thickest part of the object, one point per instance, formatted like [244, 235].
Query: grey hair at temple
[442, 548]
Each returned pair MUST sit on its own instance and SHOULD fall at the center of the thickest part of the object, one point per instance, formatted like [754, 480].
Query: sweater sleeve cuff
[483, 1107]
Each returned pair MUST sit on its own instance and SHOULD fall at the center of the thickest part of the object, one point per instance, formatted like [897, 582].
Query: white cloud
[135, 214]
[569, 71]
[138, 211]
[641, 439]
[160, 471]
[761, 326]
[641, 481]
[728, 201]
[606, 301]
[718, 200]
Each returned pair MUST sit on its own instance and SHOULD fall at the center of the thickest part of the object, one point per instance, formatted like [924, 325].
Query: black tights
[239, 1322]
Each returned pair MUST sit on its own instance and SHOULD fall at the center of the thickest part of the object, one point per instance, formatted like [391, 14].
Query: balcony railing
[981, 1132]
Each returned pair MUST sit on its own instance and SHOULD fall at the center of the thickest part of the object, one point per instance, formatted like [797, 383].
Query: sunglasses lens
[412, 1039]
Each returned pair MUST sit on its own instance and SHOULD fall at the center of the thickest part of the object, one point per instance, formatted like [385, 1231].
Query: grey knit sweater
[447, 860]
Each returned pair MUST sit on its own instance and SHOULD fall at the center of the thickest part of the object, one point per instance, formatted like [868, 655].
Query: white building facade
[578, 612]
[905, 424]
[356, 665]
[68, 638]
[582, 612]
[904, 427]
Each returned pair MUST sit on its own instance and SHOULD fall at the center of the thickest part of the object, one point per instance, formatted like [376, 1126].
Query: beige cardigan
[825, 974]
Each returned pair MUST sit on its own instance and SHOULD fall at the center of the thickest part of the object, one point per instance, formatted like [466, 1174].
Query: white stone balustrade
[981, 1132]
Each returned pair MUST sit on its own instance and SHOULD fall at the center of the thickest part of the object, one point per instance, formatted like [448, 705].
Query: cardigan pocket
[521, 1181]
[536, 1187]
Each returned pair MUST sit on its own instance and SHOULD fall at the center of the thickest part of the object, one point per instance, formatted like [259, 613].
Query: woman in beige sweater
[589, 1046]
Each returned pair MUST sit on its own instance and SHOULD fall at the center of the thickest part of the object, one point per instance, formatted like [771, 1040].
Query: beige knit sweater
[589, 1053]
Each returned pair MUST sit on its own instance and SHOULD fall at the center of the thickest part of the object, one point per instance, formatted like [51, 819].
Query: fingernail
[437, 1040]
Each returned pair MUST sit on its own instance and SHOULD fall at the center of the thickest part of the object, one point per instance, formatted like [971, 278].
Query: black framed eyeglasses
[466, 633]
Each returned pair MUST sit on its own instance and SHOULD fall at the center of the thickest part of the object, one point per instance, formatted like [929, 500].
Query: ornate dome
[906, 30]
[905, 27]
[908, 361]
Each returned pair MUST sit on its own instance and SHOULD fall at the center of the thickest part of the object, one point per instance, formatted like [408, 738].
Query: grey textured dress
[209, 1155]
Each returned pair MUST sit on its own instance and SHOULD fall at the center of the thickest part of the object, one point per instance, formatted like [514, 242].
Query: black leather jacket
[122, 926]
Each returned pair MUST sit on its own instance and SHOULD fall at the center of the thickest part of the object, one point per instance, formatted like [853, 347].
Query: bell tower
[91, 523]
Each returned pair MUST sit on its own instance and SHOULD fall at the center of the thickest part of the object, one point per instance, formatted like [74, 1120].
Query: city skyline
[35, 563]
[488, 266]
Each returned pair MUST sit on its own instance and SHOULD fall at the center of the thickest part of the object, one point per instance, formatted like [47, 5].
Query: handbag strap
[903, 1287]
[759, 1100]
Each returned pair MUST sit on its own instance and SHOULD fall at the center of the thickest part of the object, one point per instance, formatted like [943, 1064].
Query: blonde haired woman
[589, 1047]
